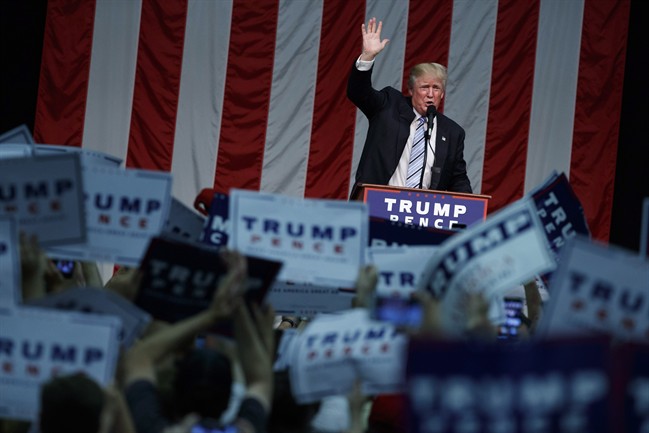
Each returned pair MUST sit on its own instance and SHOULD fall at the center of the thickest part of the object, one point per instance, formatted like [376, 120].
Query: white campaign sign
[319, 241]
[15, 150]
[124, 209]
[9, 263]
[307, 299]
[100, 301]
[17, 135]
[46, 196]
[489, 258]
[337, 349]
[598, 290]
[183, 223]
[285, 348]
[400, 268]
[504, 251]
[36, 345]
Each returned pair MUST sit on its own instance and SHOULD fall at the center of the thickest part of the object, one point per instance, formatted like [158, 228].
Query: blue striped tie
[416, 156]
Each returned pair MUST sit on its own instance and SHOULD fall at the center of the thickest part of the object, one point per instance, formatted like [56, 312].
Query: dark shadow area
[22, 25]
[632, 170]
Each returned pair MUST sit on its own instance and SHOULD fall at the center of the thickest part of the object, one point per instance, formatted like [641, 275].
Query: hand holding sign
[255, 342]
[179, 278]
[140, 360]
[125, 282]
[431, 324]
[232, 286]
[365, 286]
[32, 265]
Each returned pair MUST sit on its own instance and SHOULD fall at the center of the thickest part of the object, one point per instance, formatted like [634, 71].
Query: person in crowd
[534, 304]
[40, 275]
[398, 150]
[125, 281]
[287, 415]
[75, 403]
[254, 335]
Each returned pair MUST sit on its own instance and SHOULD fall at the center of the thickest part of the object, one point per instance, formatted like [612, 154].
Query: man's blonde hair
[434, 69]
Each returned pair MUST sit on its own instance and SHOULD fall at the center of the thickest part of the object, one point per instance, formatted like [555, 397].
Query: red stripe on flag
[597, 111]
[437, 15]
[334, 116]
[157, 83]
[247, 95]
[65, 68]
[510, 101]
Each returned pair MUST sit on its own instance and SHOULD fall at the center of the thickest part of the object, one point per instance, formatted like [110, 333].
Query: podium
[422, 207]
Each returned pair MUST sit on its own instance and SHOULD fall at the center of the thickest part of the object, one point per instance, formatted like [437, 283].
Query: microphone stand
[431, 112]
[423, 168]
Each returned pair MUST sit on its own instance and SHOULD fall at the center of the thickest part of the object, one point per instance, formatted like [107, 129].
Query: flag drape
[251, 94]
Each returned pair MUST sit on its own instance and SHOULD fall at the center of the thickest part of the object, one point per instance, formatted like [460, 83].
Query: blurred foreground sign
[37, 344]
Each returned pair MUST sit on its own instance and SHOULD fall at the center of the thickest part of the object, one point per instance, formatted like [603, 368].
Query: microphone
[431, 112]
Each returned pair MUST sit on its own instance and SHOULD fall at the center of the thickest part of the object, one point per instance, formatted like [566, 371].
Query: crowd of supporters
[180, 377]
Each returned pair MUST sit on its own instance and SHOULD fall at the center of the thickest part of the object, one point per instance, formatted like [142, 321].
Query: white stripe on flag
[200, 100]
[469, 68]
[290, 115]
[555, 88]
[112, 76]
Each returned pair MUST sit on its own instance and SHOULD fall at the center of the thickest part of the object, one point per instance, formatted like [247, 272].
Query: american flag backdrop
[251, 93]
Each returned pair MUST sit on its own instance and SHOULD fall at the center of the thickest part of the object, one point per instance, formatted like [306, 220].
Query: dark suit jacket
[390, 114]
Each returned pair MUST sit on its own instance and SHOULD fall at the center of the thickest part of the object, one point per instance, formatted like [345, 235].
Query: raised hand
[33, 264]
[254, 334]
[231, 288]
[372, 43]
[365, 286]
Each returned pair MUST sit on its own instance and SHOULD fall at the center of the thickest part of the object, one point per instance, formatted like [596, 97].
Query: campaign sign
[307, 300]
[15, 150]
[426, 209]
[103, 302]
[319, 241]
[632, 372]
[88, 156]
[489, 259]
[124, 209]
[285, 348]
[558, 387]
[507, 249]
[391, 233]
[216, 231]
[37, 344]
[644, 229]
[179, 279]
[560, 211]
[336, 349]
[598, 289]
[46, 196]
[17, 135]
[183, 223]
[9, 262]
[399, 268]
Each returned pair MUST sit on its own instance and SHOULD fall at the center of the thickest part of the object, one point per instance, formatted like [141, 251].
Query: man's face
[428, 90]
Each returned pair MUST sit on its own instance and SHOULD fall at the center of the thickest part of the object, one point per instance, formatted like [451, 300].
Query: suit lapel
[441, 149]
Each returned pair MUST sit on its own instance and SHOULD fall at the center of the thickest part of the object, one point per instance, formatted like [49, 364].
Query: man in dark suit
[395, 134]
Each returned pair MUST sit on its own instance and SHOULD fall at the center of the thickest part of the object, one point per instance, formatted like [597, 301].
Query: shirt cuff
[363, 65]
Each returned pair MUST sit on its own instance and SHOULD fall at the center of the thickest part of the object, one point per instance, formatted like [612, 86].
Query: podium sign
[426, 208]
